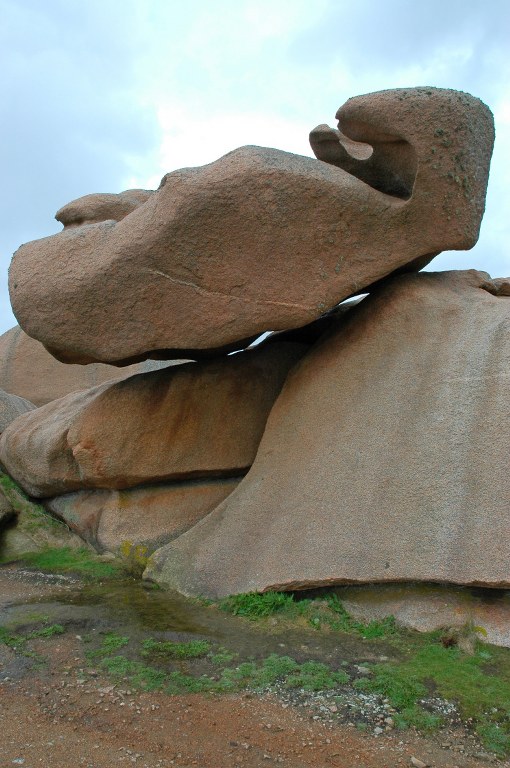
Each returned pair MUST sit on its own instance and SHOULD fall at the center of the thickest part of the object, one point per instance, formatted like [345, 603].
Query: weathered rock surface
[28, 370]
[6, 509]
[92, 209]
[260, 239]
[384, 459]
[150, 515]
[189, 421]
[428, 607]
[11, 407]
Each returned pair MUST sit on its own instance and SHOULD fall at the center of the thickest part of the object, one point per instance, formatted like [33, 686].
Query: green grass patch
[48, 631]
[222, 657]
[275, 669]
[258, 606]
[194, 649]
[80, 561]
[139, 675]
[282, 670]
[110, 643]
[320, 613]
[18, 641]
[9, 639]
[454, 676]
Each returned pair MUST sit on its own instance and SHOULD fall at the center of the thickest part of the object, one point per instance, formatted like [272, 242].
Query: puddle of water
[130, 608]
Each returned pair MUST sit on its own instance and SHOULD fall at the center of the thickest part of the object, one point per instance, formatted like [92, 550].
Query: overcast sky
[104, 95]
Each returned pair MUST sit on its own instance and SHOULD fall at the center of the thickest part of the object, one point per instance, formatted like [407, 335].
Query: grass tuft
[257, 606]
[194, 649]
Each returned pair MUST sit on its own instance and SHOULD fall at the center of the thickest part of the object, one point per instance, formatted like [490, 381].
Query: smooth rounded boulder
[261, 239]
[384, 459]
[191, 421]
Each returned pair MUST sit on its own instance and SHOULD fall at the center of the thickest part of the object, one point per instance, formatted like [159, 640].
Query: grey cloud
[382, 37]
[70, 122]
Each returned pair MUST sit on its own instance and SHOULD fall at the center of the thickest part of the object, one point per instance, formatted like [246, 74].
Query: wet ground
[58, 707]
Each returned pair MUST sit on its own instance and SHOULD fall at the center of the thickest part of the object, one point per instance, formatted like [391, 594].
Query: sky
[102, 96]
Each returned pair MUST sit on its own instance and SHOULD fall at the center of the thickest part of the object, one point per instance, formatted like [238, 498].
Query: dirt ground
[63, 714]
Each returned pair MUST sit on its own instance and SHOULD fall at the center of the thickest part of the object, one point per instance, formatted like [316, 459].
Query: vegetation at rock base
[256, 606]
[66, 560]
[320, 613]
[416, 673]
[455, 676]
[36, 516]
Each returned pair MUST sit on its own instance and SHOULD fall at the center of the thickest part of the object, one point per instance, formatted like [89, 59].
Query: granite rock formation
[28, 370]
[190, 421]
[361, 443]
[384, 458]
[148, 516]
[260, 239]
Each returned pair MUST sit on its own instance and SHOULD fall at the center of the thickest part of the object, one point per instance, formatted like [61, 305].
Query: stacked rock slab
[384, 459]
[260, 239]
[193, 422]
[28, 370]
[150, 516]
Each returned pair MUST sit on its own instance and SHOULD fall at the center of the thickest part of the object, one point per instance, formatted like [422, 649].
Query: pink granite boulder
[197, 420]
[260, 239]
[384, 459]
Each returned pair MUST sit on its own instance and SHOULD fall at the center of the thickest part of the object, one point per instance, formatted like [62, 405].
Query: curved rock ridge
[260, 239]
[195, 420]
[28, 370]
[384, 459]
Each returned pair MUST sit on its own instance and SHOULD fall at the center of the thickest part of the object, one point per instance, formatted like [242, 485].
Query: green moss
[81, 561]
[134, 557]
[36, 515]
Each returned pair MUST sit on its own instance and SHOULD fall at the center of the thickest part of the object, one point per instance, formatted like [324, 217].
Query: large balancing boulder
[185, 422]
[384, 459]
[260, 239]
